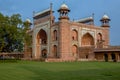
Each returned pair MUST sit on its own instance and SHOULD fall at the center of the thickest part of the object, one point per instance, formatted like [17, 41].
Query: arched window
[74, 50]
[74, 35]
[44, 53]
[55, 35]
[87, 40]
[99, 40]
[99, 37]
[55, 51]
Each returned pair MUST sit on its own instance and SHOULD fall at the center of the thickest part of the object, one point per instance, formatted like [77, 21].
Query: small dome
[105, 16]
[64, 6]
[28, 20]
[90, 17]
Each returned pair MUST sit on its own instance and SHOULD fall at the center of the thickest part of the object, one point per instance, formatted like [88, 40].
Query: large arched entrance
[40, 41]
[42, 37]
[87, 40]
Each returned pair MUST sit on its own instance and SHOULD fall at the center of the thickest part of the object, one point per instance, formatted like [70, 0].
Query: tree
[27, 36]
[12, 33]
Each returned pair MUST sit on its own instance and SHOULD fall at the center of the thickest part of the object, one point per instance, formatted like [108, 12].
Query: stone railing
[110, 48]
[17, 55]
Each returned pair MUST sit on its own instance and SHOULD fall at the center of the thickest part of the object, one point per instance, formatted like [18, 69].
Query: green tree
[27, 36]
[13, 33]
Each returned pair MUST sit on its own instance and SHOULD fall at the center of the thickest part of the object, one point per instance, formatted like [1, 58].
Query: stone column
[116, 56]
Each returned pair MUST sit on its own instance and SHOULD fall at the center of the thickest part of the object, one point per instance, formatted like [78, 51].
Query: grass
[30, 70]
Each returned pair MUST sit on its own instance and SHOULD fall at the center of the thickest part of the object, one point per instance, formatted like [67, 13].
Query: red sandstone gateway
[66, 40]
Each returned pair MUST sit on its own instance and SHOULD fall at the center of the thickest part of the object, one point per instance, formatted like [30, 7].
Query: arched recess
[74, 35]
[44, 53]
[99, 40]
[74, 50]
[87, 40]
[55, 35]
[99, 37]
[54, 51]
[42, 37]
[41, 40]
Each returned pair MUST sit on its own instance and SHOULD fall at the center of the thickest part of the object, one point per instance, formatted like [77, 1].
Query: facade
[67, 40]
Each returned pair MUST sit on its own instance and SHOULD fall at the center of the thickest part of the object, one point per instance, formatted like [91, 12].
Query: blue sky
[79, 9]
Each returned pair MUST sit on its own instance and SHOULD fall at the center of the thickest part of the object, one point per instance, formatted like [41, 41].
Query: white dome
[105, 16]
[28, 20]
[64, 6]
[90, 17]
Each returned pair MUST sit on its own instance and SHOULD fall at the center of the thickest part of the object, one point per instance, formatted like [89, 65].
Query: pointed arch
[55, 51]
[75, 35]
[99, 37]
[74, 50]
[87, 40]
[44, 53]
[55, 35]
[99, 40]
[42, 37]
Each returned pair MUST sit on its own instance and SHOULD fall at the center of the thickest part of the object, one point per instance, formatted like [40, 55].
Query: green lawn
[30, 70]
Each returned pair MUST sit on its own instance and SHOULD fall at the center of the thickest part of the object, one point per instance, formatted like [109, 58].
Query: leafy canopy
[13, 33]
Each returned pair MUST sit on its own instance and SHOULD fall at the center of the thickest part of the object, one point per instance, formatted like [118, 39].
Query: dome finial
[28, 20]
[64, 10]
[105, 16]
[105, 20]
[64, 6]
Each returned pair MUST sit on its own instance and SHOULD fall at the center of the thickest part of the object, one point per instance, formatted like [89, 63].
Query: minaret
[52, 18]
[63, 11]
[64, 32]
[105, 25]
[105, 21]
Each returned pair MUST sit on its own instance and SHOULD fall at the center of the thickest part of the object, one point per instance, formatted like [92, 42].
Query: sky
[79, 9]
